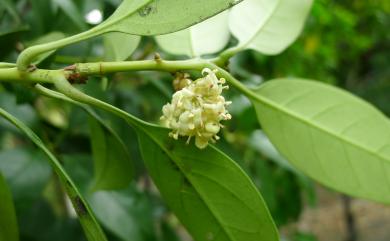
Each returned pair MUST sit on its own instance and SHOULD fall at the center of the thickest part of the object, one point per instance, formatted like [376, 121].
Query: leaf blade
[152, 138]
[8, 224]
[268, 26]
[88, 221]
[207, 37]
[112, 162]
[160, 17]
[119, 46]
[337, 132]
[226, 205]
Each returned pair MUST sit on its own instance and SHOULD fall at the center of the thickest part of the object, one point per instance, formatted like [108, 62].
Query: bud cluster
[197, 108]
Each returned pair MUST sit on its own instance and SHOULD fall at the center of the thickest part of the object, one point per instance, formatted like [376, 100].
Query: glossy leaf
[329, 134]
[27, 174]
[268, 26]
[119, 46]
[91, 228]
[112, 164]
[8, 224]
[207, 190]
[73, 13]
[207, 37]
[126, 213]
[160, 17]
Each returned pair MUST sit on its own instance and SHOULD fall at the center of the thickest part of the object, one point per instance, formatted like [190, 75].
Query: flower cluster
[197, 108]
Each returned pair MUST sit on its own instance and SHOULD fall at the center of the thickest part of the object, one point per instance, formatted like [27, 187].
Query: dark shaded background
[344, 43]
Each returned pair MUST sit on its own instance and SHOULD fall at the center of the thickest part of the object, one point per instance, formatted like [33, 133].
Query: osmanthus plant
[327, 133]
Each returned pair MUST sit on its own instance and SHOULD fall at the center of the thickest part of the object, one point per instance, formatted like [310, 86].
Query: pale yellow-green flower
[197, 108]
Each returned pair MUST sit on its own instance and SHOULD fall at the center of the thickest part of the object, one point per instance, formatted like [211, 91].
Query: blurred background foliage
[345, 43]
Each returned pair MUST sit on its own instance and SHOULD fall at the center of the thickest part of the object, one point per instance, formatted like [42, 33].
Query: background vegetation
[345, 43]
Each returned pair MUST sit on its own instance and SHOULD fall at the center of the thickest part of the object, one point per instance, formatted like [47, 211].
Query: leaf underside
[329, 134]
[268, 26]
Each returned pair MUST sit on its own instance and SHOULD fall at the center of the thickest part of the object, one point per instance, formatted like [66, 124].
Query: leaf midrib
[216, 217]
[262, 26]
[274, 105]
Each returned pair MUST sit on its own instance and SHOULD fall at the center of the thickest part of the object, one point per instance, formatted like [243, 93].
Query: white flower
[197, 108]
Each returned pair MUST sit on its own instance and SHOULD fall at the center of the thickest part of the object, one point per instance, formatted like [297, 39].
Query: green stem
[88, 221]
[7, 65]
[36, 76]
[103, 68]
[237, 84]
[64, 59]
[58, 77]
[27, 56]
[68, 90]
[224, 57]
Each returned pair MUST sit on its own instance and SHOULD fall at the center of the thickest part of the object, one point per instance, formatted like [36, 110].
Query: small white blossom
[197, 108]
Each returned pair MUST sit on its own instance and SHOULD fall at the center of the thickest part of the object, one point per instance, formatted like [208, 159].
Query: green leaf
[27, 174]
[334, 137]
[53, 111]
[11, 9]
[127, 214]
[72, 11]
[24, 112]
[207, 190]
[164, 16]
[138, 17]
[207, 37]
[91, 228]
[268, 26]
[113, 166]
[119, 46]
[112, 162]
[8, 224]
[260, 142]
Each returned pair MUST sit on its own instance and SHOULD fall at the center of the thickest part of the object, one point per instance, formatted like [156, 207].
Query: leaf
[91, 228]
[268, 26]
[8, 224]
[208, 191]
[113, 168]
[26, 173]
[53, 112]
[72, 11]
[11, 9]
[127, 214]
[24, 112]
[260, 142]
[138, 17]
[334, 137]
[119, 46]
[207, 37]
[162, 16]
